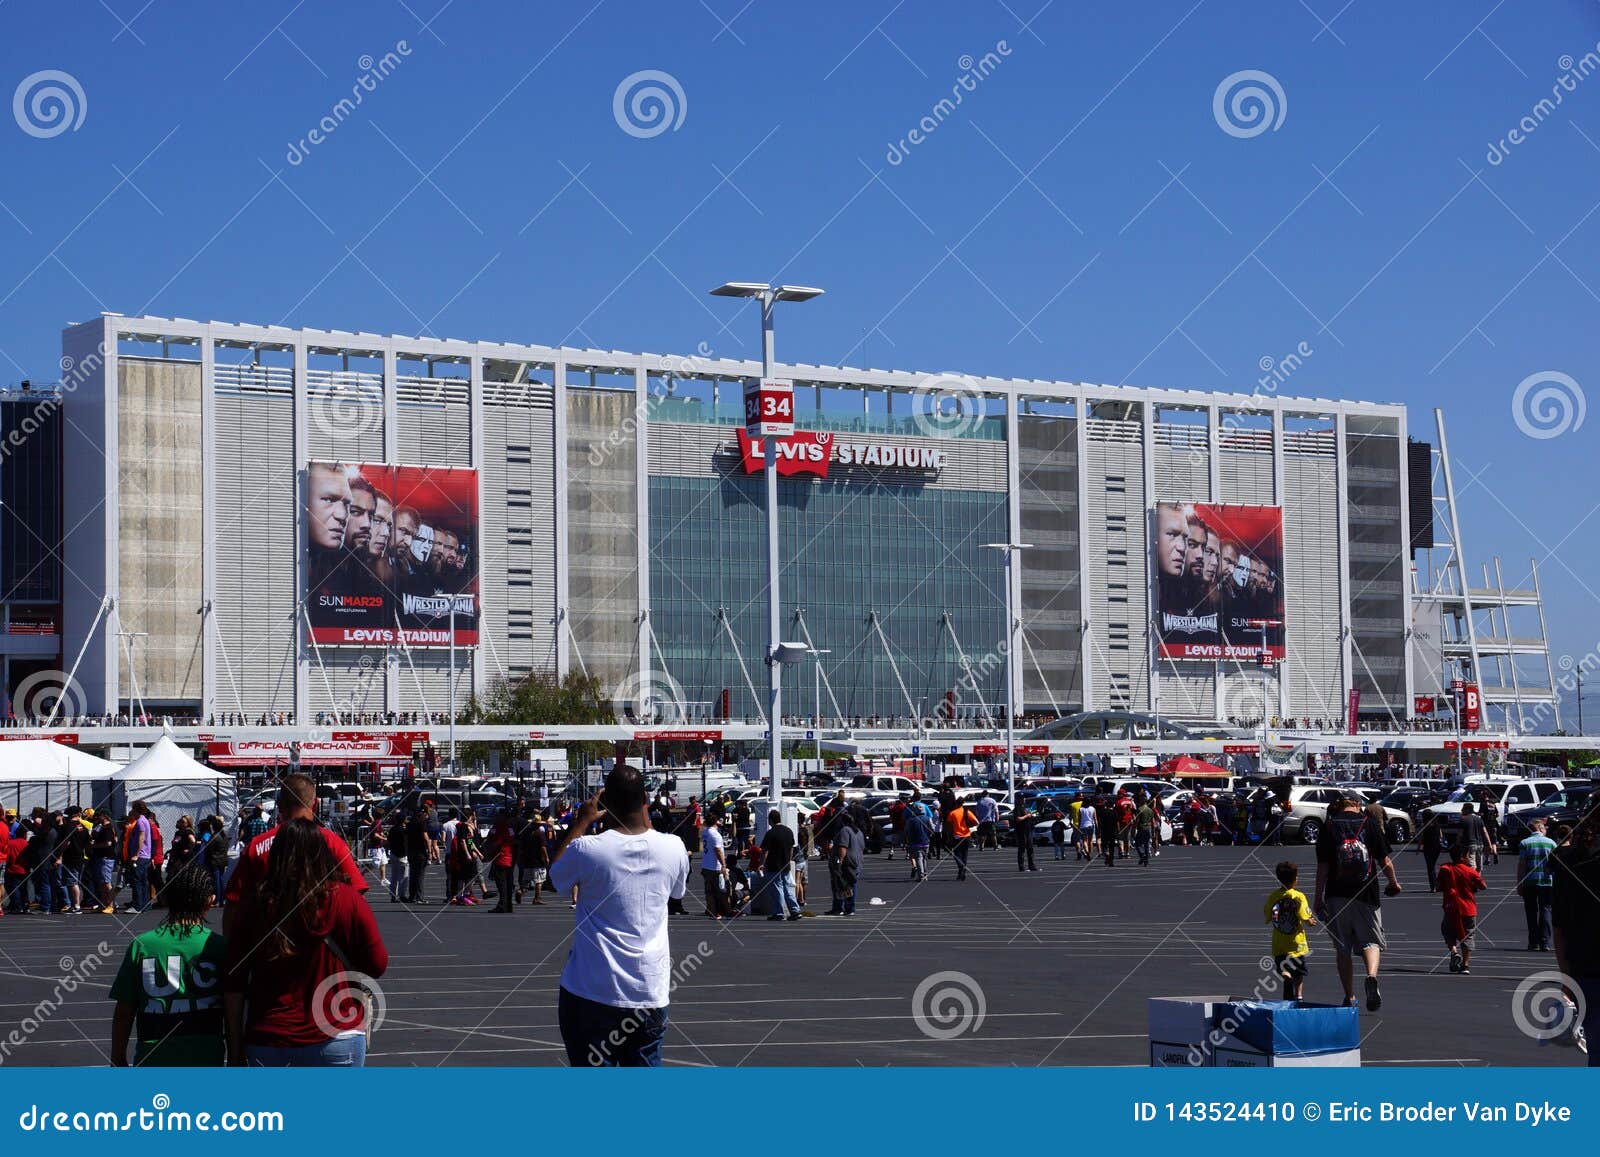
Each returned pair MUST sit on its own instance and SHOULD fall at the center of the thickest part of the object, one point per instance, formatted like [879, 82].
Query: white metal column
[641, 458]
[1280, 495]
[1342, 474]
[561, 519]
[1214, 482]
[475, 452]
[208, 526]
[1152, 673]
[1403, 444]
[1086, 672]
[302, 662]
[391, 455]
[1457, 554]
[1013, 573]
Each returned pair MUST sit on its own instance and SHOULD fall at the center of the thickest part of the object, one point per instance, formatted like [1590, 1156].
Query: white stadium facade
[611, 521]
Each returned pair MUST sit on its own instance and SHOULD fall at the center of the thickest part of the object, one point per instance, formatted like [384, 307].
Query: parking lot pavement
[1050, 968]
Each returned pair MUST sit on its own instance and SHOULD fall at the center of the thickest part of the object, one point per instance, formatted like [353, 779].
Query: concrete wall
[158, 517]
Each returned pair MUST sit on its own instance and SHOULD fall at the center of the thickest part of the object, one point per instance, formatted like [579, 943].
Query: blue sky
[1081, 215]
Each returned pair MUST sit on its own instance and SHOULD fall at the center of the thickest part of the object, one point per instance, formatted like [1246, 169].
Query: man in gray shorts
[1351, 852]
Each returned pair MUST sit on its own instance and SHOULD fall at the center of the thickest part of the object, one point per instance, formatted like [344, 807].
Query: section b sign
[769, 408]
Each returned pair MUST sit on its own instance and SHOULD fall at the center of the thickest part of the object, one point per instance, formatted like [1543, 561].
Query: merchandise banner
[391, 552]
[1300, 1111]
[1219, 580]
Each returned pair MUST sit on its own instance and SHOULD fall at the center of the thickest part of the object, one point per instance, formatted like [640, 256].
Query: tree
[540, 699]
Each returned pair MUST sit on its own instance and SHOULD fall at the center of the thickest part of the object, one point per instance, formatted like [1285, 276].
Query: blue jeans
[217, 881]
[604, 1036]
[339, 1052]
[44, 890]
[141, 885]
[784, 902]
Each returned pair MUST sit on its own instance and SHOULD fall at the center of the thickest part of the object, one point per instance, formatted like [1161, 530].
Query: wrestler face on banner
[406, 522]
[327, 505]
[1194, 548]
[1172, 539]
[358, 528]
[382, 526]
[1213, 559]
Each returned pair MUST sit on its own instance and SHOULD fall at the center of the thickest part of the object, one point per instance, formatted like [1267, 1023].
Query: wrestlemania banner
[390, 552]
[1219, 577]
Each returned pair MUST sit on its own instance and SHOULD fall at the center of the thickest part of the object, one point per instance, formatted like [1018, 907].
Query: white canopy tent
[174, 784]
[43, 773]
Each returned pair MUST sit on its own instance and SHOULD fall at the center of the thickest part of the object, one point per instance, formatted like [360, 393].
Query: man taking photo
[616, 984]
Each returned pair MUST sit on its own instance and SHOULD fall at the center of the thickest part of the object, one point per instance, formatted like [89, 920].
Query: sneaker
[1374, 997]
[793, 916]
[108, 910]
[1455, 962]
[517, 896]
[772, 918]
[1464, 970]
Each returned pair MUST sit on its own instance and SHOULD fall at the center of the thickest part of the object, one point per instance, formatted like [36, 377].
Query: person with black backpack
[1351, 852]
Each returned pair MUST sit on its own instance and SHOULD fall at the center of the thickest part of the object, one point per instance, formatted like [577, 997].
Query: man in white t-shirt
[618, 977]
[714, 866]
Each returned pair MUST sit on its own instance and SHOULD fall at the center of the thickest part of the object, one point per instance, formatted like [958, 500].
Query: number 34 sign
[769, 408]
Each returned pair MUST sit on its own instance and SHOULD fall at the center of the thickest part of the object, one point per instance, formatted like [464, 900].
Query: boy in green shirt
[170, 983]
[1290, 915]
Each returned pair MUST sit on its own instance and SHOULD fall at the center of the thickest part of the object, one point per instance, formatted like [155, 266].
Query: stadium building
[509, 508]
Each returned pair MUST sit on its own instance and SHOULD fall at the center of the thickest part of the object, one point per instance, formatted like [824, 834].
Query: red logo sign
[669, 735]
[1422, 705]
[1016, 748]
[803, 452]
[1239, 748]
[1471, 708]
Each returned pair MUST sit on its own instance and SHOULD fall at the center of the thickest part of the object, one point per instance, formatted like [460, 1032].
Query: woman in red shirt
[296, 996]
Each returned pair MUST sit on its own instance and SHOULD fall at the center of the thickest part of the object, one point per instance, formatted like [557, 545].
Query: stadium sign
[812, 451]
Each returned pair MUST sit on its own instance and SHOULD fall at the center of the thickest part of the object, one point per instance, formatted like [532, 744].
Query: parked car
[1506, 796]
[1308, 811]
[1566, 806]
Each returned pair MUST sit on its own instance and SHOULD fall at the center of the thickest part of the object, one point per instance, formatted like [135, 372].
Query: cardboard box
[1225, 1057]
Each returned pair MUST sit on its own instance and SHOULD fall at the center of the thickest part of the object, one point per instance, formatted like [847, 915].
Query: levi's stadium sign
[812, 451]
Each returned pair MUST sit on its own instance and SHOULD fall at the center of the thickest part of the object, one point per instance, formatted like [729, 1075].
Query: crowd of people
[278, 982]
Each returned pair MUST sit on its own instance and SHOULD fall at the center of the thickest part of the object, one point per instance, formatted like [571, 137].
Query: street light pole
[816, 692]
[769, 296]
[1012, 623]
